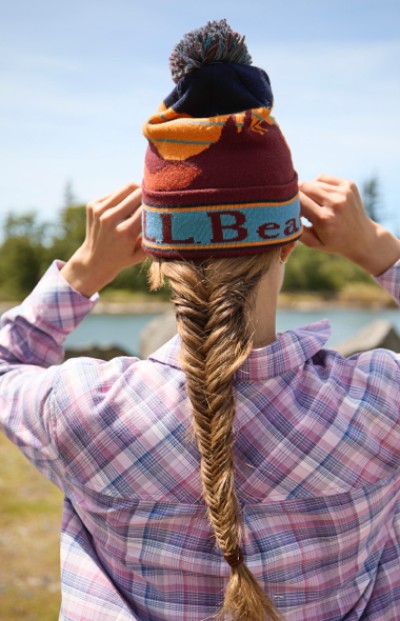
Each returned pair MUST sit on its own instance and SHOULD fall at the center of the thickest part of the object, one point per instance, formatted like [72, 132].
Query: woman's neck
[264, 317]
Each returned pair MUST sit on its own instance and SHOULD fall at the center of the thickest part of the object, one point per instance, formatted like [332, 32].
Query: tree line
[29, 246]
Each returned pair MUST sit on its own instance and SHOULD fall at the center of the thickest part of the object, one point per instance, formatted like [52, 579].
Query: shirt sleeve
[31, 345]
[390, 281]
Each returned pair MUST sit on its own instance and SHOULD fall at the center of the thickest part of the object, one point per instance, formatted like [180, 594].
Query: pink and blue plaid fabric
[317, 454]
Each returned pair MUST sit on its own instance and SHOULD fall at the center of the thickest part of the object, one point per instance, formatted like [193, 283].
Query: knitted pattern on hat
[219, 179]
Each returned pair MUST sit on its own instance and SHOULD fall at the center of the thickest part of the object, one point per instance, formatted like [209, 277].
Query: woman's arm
[32, 334]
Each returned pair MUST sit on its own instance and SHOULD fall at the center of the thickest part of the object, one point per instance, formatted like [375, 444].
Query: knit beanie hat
[219, 179]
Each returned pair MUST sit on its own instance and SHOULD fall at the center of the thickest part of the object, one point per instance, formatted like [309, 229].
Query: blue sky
[79, 78]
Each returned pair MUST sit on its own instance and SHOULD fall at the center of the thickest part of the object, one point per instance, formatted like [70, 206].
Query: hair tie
[234, 559]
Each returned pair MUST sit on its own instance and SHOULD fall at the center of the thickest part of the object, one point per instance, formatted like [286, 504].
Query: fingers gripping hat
[219, 179]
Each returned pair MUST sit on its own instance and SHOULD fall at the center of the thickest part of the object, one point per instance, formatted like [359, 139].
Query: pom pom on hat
[219, 179]
[215, 42]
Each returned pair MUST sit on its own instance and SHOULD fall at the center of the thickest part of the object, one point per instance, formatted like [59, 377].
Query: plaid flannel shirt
[317, 456]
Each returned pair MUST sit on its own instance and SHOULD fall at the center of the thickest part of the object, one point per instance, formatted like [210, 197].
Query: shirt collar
[289, 351]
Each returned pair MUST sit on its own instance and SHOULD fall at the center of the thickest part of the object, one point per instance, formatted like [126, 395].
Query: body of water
[124, 330]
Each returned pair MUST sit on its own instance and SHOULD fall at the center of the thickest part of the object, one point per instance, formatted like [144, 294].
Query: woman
[232, 460]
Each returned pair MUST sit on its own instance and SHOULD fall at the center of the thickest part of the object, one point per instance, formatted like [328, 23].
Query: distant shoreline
[306, 303]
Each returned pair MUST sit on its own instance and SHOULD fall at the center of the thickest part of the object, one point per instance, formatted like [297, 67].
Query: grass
[30, 523]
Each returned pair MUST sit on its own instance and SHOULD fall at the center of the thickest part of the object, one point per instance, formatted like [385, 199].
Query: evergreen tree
[370, 193]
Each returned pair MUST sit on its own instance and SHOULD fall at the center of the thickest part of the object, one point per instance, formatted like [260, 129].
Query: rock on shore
[378, 333]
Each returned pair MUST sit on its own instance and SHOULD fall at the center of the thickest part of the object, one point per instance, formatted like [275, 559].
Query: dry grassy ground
[30, 519]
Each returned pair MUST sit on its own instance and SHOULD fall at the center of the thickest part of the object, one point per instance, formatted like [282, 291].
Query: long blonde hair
[213, 301]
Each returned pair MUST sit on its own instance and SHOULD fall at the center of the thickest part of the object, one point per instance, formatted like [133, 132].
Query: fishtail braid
[213, 306]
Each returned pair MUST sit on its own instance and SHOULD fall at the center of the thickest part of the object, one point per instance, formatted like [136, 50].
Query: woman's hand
[112, 242]
[340, 225]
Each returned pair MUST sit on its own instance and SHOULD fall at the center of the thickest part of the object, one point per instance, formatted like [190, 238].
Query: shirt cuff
[390, 280]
